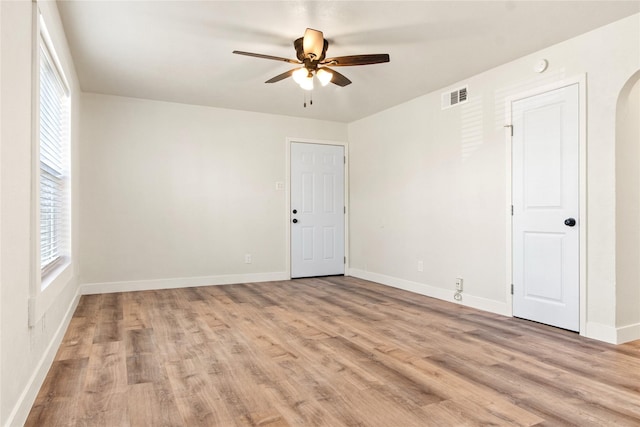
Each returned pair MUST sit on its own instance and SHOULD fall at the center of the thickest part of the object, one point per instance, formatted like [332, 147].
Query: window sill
[53, 272]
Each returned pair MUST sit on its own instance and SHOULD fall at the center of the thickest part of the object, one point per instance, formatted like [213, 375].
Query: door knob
[570, 222]
[295, 221]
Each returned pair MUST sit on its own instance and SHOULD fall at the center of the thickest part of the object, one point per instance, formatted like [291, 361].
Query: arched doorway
[628, 208]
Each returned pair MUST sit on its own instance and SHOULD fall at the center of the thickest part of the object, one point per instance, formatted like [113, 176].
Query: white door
[545, 208]
[317, 210]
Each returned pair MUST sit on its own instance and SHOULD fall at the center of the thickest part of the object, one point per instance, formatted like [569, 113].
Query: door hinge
[344, 159]
[510, 128]
[345, 209]
[512, 289]
[511, 210]
[345, 260]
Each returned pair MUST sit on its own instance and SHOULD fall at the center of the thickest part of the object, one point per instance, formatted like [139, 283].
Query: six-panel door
[317, 210]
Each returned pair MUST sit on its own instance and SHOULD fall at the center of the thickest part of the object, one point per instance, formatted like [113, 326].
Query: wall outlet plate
[459, 284]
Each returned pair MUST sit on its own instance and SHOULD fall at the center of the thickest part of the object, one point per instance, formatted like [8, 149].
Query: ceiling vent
[453, 98]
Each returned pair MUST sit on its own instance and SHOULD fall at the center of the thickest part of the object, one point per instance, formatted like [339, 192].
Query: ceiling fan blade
[313, 43]
[344, 61]
[338, 79]
[259, 55]
[281, 76]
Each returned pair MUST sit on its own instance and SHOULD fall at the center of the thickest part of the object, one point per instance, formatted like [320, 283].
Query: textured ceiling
[180, 51]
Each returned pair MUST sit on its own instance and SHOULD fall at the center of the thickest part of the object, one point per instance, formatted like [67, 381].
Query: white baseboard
[183, 282]
[628, 333]
[23, 406]
[433, 291]
[600, 332]
[611, 334]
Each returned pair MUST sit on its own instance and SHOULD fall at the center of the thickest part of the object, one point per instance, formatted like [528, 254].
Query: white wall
[176, 194]
[628, 205]
[26, 352]
[431, 185]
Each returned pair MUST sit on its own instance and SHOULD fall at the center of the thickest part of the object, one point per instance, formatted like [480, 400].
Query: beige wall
[26, 352]
[430, 184]
[179, 193]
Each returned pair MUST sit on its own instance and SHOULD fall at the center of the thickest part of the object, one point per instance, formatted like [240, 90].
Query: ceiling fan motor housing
[309, 58]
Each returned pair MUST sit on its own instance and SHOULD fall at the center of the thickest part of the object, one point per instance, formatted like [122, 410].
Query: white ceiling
[180, 51]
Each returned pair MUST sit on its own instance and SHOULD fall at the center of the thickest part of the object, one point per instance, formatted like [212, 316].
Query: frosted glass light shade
[299, 75]
[324, 76]
[307, 83]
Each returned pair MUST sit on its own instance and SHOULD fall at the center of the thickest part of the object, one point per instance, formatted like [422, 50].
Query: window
[54, 160]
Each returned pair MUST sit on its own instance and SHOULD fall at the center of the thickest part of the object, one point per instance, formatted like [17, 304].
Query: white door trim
[287, 217]
[581, 80]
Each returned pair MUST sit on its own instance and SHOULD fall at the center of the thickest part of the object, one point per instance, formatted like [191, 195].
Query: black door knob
[295, 211]
[295, 220]
[569, 222]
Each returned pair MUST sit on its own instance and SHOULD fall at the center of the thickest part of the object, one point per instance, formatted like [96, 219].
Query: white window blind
[54, 153]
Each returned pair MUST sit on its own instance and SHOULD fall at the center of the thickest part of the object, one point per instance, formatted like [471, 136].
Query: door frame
[581, 81]
[287, 215]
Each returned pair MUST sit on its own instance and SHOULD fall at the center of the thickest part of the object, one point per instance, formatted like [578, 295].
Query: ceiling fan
[311, 53]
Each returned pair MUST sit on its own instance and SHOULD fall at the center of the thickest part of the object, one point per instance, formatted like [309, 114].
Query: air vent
[453, 98]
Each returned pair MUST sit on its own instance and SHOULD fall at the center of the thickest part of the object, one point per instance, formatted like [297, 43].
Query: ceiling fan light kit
[307, 83]
[324, 76]
[304, 77]
[311, 52]
[299, 75]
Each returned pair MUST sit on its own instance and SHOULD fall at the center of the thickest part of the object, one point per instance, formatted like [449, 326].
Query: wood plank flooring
[335, 351]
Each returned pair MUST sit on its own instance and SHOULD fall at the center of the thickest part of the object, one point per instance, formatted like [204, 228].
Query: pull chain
[304, 104]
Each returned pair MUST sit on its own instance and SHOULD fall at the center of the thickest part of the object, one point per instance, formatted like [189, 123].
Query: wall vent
[453, 98]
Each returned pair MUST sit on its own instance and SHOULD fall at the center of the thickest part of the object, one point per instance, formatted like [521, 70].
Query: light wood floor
[332, 352]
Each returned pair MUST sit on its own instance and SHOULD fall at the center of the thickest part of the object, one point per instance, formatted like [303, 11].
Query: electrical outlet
[420, 266]
[247, 259]
[459, 284]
